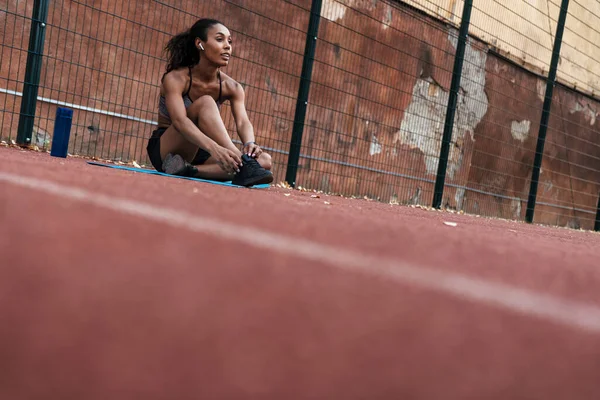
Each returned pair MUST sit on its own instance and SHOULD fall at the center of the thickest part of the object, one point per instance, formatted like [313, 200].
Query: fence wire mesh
[504, 104]
[105, 61]
[379, 93]
[15, 25]
[364, 135]
[570, 179]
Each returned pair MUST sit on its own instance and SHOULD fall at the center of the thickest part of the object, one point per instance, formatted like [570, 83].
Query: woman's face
[217, 48]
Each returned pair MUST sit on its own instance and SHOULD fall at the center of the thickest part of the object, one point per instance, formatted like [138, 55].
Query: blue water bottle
[62, 132]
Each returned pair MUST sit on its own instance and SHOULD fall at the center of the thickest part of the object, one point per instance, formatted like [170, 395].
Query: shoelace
[252, 165]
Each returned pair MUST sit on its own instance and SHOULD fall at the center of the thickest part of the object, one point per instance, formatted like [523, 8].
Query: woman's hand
[252, 149]
[228, 160]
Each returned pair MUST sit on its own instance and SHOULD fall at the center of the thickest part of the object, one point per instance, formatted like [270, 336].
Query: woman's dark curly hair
[181, 49]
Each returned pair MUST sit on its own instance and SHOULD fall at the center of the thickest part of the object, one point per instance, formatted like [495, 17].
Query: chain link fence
[485, 107]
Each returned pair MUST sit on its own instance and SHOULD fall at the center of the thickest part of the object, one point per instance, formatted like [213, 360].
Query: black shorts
[153, 149]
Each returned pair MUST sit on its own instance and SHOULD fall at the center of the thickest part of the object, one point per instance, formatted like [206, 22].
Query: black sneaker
[251, 173]
[174, 164]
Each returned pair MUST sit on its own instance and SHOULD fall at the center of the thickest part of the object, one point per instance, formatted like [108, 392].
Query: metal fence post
[597, 224]
[303, 90]
[33, 71]
[539, 151]
[440, 179]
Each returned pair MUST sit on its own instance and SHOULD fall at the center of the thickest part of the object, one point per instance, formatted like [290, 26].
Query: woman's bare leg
[205, 114]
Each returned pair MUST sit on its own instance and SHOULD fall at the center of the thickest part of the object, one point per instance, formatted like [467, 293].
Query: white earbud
[201, 47]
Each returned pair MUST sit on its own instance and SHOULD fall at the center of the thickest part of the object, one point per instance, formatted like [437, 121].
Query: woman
[191, 139]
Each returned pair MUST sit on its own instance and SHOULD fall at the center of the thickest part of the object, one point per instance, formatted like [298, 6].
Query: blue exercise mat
[155, 172]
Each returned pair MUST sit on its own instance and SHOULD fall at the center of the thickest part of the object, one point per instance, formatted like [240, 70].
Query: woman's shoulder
[176, 77]
[231, 87]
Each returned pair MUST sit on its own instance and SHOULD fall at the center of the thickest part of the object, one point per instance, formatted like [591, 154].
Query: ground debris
[284, 184]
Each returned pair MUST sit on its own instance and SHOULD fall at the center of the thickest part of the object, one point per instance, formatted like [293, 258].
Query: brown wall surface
[376, 109]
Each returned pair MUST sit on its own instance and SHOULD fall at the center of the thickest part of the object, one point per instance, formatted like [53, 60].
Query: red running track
[117, 284]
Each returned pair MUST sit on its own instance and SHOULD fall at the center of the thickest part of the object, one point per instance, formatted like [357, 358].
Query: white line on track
[525, 302]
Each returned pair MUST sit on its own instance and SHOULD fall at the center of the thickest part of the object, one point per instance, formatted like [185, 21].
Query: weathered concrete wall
[505, 144]
[523, 30]
[571, 168]
[369, 60]
[379, 102]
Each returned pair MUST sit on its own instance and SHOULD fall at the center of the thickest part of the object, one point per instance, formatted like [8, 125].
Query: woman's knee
[201, 105]
[265, 160]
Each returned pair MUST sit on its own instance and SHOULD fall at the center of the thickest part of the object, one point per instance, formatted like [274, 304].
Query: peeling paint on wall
[541, 89]
[388, 17]
[548, 188]
[423, 123]
[520, 130]
[589, 114]
[516, 208]
[333, 10]
[375, 147]
[459, 198]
